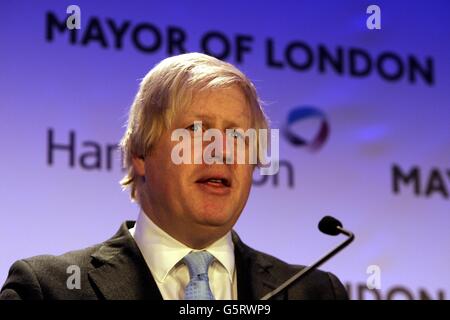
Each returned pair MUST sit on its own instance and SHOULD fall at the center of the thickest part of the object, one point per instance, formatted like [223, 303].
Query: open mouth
[215, 182]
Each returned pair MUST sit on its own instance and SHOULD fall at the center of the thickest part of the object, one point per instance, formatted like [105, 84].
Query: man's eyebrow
[209, 119]
[200, 116]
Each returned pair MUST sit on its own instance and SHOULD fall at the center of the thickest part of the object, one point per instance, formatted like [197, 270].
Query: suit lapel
[120, 271]
[254, 277]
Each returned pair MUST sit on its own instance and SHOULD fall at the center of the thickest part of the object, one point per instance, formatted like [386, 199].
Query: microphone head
[328, 225]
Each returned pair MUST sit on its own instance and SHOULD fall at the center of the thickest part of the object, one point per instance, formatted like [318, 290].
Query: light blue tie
[198, 287]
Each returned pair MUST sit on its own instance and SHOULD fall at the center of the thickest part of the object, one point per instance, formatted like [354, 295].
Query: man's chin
[216, 220]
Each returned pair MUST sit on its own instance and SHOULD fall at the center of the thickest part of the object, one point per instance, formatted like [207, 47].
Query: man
[182, 245]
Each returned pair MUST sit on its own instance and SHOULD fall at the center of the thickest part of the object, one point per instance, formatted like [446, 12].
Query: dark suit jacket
[116, 269]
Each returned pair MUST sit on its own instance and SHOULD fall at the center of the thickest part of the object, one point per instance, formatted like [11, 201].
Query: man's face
[198, 203]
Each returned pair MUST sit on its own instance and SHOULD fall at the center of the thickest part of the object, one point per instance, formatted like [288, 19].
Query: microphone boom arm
[302, 273]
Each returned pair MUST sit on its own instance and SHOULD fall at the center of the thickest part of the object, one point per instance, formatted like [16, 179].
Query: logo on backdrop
[301, 114]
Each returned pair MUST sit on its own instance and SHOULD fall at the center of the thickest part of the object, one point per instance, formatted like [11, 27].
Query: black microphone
[327, 225]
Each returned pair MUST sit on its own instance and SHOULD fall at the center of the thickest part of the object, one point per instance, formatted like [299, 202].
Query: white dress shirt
[163, 255]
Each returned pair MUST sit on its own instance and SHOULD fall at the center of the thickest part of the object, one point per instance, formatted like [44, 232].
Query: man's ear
[138, 165]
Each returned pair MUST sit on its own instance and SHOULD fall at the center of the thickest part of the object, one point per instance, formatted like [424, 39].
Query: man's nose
[225, 153]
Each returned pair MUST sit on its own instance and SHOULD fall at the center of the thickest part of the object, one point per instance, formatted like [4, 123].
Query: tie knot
[198, 263]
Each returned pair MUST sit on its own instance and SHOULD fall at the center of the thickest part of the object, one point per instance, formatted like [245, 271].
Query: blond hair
[166, 88]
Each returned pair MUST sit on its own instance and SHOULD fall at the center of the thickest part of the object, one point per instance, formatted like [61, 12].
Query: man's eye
[234, 133]
[195, 127]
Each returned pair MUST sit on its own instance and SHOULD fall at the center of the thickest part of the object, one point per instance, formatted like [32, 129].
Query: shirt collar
[162, 252]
